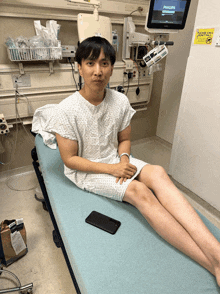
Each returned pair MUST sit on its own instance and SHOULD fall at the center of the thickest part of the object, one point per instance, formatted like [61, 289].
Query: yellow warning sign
[204, 36]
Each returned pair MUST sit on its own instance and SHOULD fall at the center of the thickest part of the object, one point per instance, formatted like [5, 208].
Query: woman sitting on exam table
[93, 130]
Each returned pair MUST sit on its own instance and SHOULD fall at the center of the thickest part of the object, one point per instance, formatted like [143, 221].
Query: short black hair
[91, 48]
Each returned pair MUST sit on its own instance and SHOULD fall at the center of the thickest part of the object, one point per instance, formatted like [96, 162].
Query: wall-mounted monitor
[167, 15]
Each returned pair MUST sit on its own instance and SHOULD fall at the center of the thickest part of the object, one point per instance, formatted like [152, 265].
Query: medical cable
[16, 136]
[10, 273]
[138, 88]
[140, 9]
[18, 116]
[123, 84]
[138, 71]
[19, 288]
[28, 103]
[69, 59]
[15, 143]
[128, 84]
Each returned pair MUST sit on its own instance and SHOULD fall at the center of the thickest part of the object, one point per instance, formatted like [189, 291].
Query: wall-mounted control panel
[68, 51]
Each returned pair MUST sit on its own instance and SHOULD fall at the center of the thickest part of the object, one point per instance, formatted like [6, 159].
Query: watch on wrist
[124, 154]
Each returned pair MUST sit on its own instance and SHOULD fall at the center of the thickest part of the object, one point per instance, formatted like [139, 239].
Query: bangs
[93, 53]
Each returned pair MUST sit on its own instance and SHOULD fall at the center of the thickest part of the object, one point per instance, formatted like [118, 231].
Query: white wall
[195, 159]
[174, 77]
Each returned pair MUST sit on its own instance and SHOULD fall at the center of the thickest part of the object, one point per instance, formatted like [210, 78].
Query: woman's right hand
[123, 170]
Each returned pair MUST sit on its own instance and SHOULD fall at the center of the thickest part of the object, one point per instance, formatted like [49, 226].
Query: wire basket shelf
[33, 54]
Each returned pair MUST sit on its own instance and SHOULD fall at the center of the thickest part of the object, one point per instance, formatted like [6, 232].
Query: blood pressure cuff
[13, 243]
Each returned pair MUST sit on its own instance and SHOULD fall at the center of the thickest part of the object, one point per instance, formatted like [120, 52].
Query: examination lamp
[92, 24]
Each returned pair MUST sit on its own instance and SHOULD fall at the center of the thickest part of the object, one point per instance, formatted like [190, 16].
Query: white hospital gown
[95, 128]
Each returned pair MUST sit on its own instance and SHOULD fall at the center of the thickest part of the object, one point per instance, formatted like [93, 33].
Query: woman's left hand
[121, 180]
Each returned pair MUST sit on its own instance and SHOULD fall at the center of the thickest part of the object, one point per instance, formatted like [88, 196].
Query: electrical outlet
[21, 81]
[142, 74]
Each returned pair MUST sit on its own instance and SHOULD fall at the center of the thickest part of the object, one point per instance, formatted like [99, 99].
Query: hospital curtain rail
[56, 234]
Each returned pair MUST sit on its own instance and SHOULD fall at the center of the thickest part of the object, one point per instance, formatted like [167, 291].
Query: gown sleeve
[127, 114]
[62, 124]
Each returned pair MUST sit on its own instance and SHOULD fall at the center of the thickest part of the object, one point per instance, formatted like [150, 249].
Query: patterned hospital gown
[95, 128]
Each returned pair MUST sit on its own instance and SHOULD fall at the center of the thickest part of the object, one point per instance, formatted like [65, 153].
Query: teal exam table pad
[134, 260]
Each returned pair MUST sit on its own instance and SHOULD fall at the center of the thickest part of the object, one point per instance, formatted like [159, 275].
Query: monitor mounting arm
[131, 38]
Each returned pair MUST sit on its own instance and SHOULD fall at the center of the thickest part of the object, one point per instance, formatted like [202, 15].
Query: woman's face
[96, 73]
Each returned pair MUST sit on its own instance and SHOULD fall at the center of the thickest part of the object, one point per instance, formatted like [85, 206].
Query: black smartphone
[103, 222]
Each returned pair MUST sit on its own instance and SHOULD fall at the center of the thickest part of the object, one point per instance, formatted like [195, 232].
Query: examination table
[134, 260]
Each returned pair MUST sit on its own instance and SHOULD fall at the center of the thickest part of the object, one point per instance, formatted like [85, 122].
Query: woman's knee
[158, 171]
[138, 194]
[152, 175]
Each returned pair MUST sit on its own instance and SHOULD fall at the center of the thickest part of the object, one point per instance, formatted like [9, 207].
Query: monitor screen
[168, 14]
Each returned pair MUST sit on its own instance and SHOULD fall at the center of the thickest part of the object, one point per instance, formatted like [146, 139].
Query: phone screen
[103, 222]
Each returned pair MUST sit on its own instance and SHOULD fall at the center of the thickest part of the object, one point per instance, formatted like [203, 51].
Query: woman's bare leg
[162, 221]
[175, 203]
